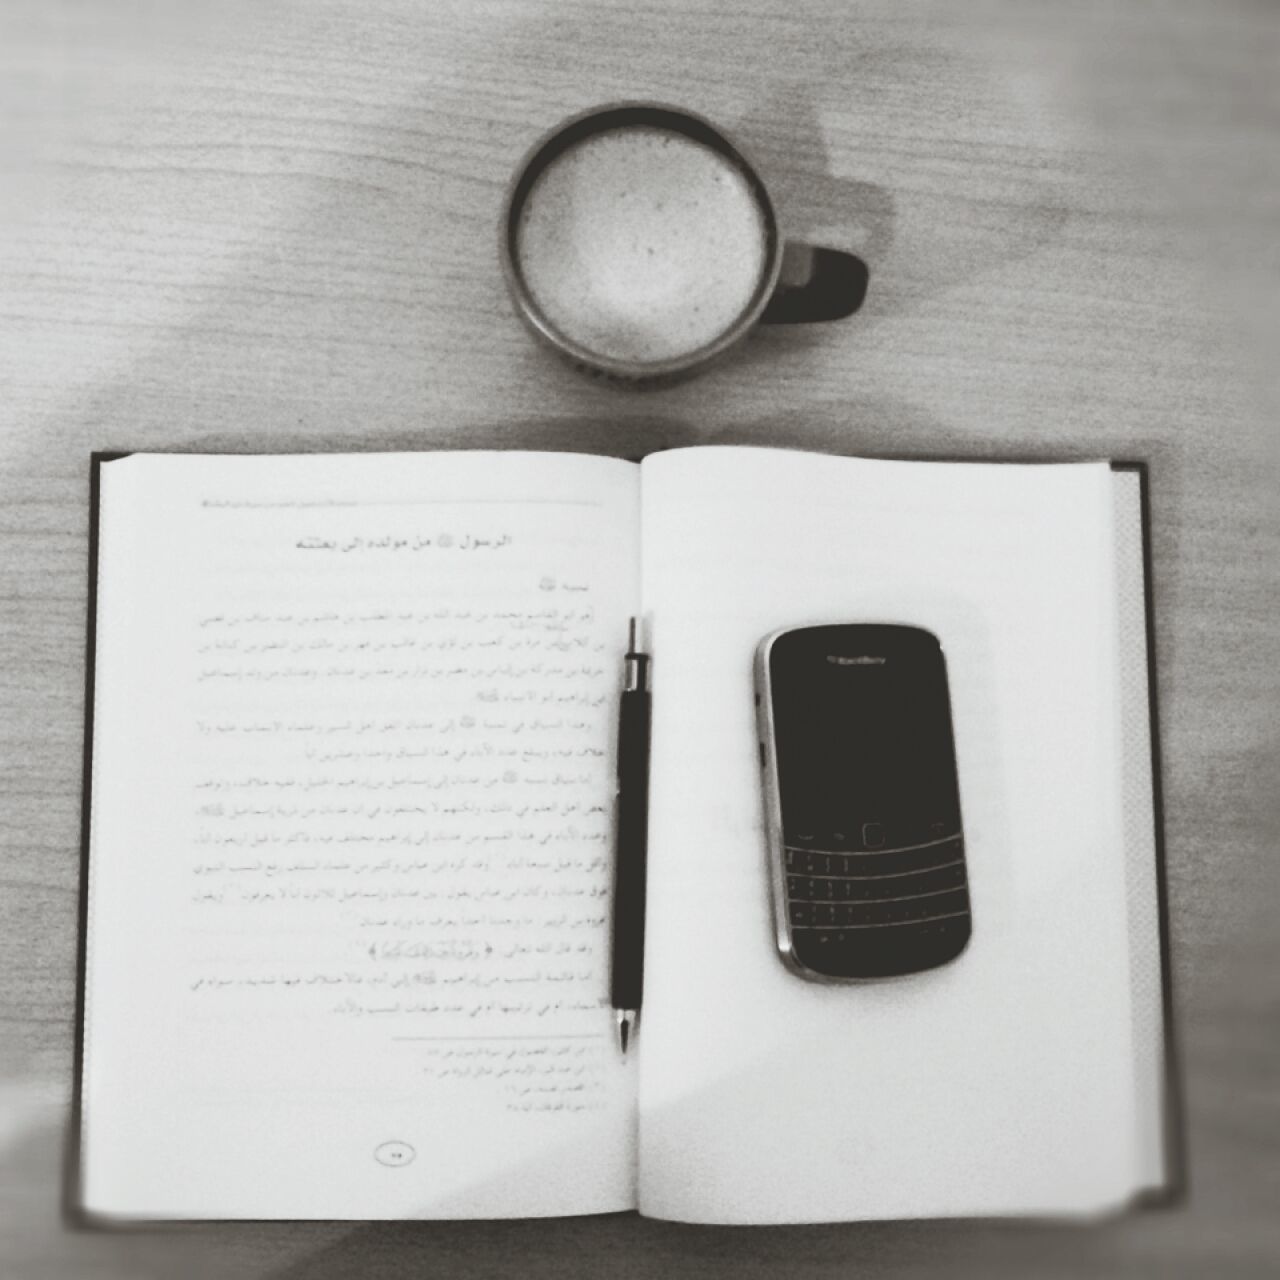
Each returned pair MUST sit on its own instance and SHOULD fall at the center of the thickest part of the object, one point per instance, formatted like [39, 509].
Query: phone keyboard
[838, 892]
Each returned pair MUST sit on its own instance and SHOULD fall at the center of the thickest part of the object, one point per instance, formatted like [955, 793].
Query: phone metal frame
[774, 848]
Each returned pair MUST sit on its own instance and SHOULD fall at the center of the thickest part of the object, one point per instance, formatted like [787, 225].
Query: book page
[351, 837]
[1004, 1081]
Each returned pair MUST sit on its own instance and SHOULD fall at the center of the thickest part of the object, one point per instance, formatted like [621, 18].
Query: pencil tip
[625, 1019]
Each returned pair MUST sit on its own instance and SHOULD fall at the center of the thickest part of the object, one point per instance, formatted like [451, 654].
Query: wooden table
[273, 228]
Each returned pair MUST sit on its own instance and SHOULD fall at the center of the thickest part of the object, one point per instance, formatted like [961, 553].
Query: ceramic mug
[640, 243]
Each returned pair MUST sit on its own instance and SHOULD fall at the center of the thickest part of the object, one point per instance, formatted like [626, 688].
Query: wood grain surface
[273, 227]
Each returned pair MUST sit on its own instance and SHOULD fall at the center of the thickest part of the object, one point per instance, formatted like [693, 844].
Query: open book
[350, 827]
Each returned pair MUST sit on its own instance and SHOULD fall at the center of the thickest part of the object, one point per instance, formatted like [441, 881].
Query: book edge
[1173, 1120]
[73, 1207]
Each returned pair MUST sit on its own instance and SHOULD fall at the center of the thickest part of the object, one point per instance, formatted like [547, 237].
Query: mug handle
[816, 284]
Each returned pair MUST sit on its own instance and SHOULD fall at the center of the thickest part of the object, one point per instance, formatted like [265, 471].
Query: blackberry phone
[862, 803]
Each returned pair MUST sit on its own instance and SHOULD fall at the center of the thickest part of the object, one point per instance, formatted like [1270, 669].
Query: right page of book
[1005, 1081]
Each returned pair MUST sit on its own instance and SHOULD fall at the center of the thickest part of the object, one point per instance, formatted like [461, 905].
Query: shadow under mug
[829, 284]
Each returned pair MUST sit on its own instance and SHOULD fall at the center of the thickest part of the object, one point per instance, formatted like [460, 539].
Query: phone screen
[864, 743]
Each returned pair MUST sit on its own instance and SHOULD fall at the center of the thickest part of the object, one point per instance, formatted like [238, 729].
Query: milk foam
[641, 244]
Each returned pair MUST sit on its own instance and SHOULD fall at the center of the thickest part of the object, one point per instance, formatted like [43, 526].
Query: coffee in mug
[642, 244]
[639, 242]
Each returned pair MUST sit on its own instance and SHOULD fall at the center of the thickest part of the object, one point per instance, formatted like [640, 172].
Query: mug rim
[618, 115]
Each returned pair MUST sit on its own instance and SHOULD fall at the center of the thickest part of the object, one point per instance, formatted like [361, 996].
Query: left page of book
[352, 782]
